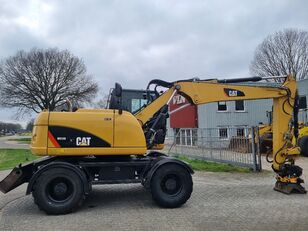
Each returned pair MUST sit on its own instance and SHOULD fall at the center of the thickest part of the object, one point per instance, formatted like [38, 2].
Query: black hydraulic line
[267, 156]
[160, 82]
[191, 80]
[283, 109]
[166, 84]
[163, 111]
[275, 155]
[295, 116]
[240, 80]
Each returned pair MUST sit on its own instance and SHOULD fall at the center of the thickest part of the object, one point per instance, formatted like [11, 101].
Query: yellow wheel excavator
[85, 147]
[266, 136]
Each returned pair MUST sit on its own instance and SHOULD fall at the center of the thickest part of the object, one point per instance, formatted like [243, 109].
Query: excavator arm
[206, 91]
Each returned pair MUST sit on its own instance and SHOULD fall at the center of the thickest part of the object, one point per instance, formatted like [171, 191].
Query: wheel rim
[171, 184]
[59, 189]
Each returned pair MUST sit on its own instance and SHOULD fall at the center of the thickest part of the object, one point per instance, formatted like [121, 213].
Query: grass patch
[201, 165]
[26, 140]
[9, 158]
[26, 134]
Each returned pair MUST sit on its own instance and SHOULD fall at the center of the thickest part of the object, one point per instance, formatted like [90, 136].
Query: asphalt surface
[220, 201]
[5, 142]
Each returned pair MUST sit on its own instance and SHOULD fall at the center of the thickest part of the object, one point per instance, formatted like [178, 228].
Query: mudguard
[81, 174]
[162, 161]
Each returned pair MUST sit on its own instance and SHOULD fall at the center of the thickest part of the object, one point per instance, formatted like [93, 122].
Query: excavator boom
[284, 100]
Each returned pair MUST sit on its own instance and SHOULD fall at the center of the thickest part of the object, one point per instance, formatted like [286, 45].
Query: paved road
[6, 143]
[220, 201]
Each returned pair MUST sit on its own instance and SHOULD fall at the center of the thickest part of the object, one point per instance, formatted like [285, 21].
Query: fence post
[181, 140]
[210, 142]
[258, 150]
[202, 143]
[254, 149]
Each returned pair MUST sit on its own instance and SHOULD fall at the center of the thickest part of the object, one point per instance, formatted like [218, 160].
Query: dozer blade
[289, 188]
[18, 176]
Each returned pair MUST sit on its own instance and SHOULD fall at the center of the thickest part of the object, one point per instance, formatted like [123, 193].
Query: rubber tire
[171, 201]
[50, 206]
[303, 144]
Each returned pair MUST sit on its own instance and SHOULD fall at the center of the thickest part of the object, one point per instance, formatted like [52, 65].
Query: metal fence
[233, 145]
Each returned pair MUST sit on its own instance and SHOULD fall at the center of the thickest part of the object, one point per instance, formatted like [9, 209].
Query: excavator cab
[134, 101]
[130, 100]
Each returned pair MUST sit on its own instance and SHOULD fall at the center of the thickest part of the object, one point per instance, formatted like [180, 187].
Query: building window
[240, 132]
[222, 106]
[177, 136]
[239, 105]
[223, 133]
[183, 137]
[194, 137]
[302, 102]
[187, 137]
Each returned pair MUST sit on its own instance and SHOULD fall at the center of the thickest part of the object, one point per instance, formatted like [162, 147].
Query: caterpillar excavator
[85, 147]
[266, 142]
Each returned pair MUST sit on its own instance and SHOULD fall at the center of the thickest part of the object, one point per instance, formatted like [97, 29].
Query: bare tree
[101, 102]
[284, 52]
[44, 79]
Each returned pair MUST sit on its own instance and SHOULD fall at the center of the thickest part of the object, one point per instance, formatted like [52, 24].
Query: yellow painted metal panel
[38, 144]
[96, 122]
[42, 118]
[128, 131]
[207, 92]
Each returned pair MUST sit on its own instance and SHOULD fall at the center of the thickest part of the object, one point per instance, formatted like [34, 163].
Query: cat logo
[83, 141]
[233, 92]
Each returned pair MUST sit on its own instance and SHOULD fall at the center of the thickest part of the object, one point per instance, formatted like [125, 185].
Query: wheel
[171, 185]
[303, 144]
[58, 191]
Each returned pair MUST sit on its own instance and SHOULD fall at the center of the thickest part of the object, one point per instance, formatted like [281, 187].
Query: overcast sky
[132, 41]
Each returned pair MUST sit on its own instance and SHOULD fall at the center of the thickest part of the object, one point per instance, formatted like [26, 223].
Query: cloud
[134, 41]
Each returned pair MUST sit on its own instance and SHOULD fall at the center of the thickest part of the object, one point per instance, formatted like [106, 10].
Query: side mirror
[118, 90]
